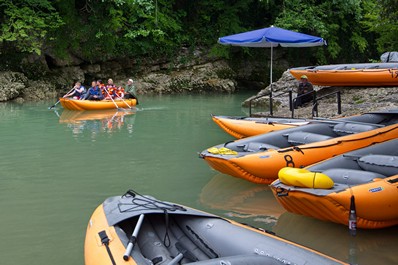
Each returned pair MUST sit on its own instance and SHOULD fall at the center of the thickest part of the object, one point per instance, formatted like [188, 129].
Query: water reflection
[97, 122]
[241, 199]
[368, 247]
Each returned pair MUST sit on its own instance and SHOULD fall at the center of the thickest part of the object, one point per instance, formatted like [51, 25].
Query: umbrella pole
[270, 89]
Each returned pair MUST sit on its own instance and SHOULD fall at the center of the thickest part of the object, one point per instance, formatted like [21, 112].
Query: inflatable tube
[300, 177]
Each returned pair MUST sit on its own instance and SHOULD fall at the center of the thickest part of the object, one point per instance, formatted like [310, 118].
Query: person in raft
[110, 90]
[78, 91]
[130, 90]
[94, 93]
[304, 87]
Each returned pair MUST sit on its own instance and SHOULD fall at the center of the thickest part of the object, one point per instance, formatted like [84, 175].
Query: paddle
[53, 106]
[123, 101]
[133, 238]
[117, 107]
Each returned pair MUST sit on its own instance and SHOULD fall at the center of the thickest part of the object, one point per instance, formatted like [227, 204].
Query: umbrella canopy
[272, 37]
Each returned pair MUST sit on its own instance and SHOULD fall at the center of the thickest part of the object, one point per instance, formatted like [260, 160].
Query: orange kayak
[140, 230]
[76, 104]
[241, 127]
[385, 74]
[259, 158]
[369, 174]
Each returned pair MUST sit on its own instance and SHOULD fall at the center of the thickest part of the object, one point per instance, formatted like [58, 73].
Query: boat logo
[376, 189]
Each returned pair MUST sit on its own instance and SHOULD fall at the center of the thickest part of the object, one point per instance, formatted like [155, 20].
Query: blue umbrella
[272, 37]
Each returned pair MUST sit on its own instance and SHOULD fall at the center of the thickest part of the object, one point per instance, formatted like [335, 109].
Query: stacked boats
[324, 166]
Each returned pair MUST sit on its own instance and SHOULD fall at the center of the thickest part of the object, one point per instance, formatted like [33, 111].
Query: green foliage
[27, 24]
[337, 21]
[382, 19]
[95, 30]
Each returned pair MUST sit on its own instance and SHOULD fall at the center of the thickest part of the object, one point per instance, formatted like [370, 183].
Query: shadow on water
[239, 199]
[95, 122]
[367, 247]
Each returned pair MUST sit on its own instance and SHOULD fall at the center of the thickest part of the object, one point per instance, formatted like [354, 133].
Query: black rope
[166, 239]
[146, 203]
[150, 204]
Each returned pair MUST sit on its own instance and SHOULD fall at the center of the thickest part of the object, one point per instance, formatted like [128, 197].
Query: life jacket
[120, 91]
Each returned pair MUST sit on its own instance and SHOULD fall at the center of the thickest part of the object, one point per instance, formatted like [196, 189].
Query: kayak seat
[298, 138]
[351, 176]
[383, 164]
[346, 128]
[258, 147]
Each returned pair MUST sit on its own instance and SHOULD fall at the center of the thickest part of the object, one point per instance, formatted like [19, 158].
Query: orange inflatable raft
[76, 104]
[259, 158]
[369, 174]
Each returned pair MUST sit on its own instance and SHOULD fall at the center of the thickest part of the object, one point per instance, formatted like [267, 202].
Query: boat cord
[105, 241]
[147, 203]
[166, 239]
[152, 204]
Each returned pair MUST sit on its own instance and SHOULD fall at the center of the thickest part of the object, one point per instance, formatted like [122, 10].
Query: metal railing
[315, 105]
[270, 101]
[292, 101]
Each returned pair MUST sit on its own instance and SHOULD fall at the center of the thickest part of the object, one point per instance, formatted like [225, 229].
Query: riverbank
[200, 74]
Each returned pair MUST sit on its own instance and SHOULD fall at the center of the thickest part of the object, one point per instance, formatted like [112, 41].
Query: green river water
[57, 166]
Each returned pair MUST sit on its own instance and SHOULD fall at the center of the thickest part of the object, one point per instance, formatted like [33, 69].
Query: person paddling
[77, 92]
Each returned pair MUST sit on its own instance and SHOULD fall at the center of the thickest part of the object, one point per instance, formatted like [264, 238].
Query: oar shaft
[106, 90]
[124, 102]
[133, 238]
[176, 259]
[59, 100]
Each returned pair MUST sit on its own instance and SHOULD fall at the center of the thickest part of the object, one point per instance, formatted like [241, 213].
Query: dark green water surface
[57, 166]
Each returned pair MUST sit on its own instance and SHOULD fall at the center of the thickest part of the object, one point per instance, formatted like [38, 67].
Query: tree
[27, 24]
[337, 21]
[383, 21]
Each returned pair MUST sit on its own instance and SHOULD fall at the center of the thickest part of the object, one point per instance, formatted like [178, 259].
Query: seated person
[304, 87]
[94, 93]
[119, 92]
[108, 90]
[78, 91]
[130, 90]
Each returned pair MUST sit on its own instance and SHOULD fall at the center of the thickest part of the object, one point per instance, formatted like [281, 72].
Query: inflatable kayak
[137, 229]
[366, 74]
[259, 158]
[241, 127]
[369, 174]
[76, 104]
